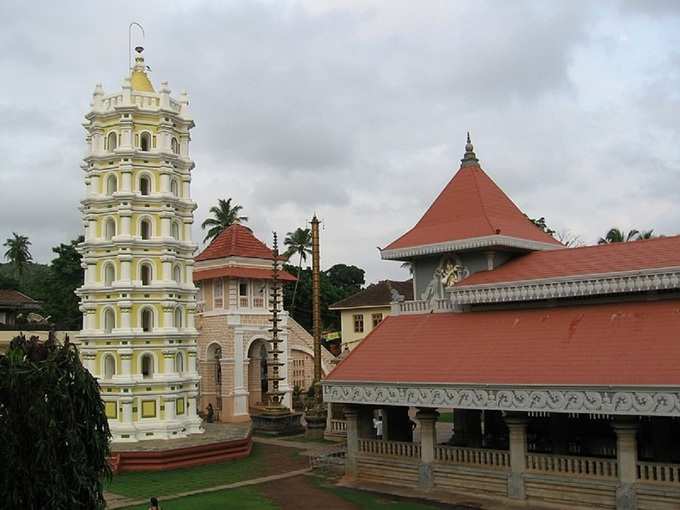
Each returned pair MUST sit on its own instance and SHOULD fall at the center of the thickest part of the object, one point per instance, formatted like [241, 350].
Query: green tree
[66, 275]
[615, 235]
[540, 223]
[298, 243]
[646, 234]
[224, 215]
[55, 435]
[18, 252]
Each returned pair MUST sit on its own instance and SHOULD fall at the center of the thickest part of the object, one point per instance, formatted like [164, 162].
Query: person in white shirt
[378, 426]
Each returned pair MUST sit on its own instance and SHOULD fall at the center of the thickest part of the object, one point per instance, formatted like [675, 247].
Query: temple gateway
[558, 367]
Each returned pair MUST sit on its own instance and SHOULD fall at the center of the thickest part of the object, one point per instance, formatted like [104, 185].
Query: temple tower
[138, 299]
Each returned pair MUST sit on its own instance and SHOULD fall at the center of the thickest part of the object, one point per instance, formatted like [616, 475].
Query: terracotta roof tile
[14, 297]
[255, 273]
[376, 294]
[236, 241]
[612, 344]
[602, 258]
[471, 205]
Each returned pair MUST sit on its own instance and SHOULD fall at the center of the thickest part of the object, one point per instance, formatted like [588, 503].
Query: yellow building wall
[350, 338]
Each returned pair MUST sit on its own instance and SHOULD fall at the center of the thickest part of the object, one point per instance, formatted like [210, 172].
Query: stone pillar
[428, 440]
[126, 403]
[517, 428]
[169, 404]
[126, 366]
[240, 391]
[352, 419]
[626, 457]
[125, 310]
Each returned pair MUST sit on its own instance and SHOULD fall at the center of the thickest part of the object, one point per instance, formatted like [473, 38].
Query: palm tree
[299, 243]
[646, 234]
[616, 235]
[224, 215]
[17, 252]
[407, 265]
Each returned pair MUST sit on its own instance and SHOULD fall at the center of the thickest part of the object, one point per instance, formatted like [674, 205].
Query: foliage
[53, 428]
[8, 281]
[540, 223]
[616, 235]
[298, 243]
[336, 283]
[224, 215]
[18, 252]
[65, 277]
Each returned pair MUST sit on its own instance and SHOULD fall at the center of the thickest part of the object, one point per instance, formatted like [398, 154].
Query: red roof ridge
[235, 241]
[479, 195]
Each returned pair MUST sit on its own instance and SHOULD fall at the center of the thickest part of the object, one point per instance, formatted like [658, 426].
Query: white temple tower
[138, 299]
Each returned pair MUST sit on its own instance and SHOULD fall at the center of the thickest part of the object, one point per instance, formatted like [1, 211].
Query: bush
[54, 435]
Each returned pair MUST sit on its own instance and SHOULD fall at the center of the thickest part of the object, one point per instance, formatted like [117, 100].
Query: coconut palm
[615, 235]
[646, 234]
[224, 215]
[17, 252]
[408, 266]
[298, 243]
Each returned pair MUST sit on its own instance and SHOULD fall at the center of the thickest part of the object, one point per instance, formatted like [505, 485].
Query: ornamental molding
[661, 401]
[466, 244]
[568, 287]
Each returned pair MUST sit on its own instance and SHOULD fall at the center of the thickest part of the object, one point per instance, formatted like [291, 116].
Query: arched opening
[174, 145]
[147, 320]
[178, 318]
[109, 229]
[177, 274]
[145, 141]
[144, 185]
[145, 229]
[109, 366]
[179, 363]
[111, 141]
[147, 366]
[145, 274]
[211, 378]
[111, 184]
[109, 320]
[258, 378]
[109, 274]
[175, 230]
[173, 187]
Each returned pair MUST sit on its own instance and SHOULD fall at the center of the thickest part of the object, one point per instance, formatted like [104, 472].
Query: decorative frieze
[567, 287]
[619, 401]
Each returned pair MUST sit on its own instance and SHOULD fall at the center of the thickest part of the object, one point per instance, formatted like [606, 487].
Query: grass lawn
[303, 439]
[373, 501]
[246, 498]
[141, 485]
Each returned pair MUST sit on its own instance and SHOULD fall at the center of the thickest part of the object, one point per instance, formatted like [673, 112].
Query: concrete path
[115, 501]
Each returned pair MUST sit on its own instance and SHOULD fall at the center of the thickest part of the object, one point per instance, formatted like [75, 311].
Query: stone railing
[422, 306]
[495, 459]
[338, 427]
[567, 465]
[389, 448]
[657, 472]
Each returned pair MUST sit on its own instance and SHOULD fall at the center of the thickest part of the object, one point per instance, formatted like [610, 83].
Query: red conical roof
[236, 241]
[471, 206]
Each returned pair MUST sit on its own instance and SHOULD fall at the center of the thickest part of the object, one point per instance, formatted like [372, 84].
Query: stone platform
[219, 442]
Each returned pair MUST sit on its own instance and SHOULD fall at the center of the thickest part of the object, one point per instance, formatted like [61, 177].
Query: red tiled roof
[10, 297]
[611, 344]
[255, 273]
[471, 205]
[602, 258]
[376, 294]
[236, 241]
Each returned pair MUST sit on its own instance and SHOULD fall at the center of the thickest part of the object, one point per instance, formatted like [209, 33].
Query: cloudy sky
[358, 110]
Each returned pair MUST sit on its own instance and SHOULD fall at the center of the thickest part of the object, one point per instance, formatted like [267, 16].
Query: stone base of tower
[151, 430]
[277, 422]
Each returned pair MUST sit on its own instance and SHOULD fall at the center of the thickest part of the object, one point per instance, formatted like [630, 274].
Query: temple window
[145, 229]
[358, 322]
[147, 320]
[243, 300]
[145, 141]
[109, 274]
[217, 293]
[109, 320]
[144, 185]
[174, 145]
[147, 366]
[178, 318]
[175, 230]
[177, 274]
[109, 366]
[179, 363]
[260, 294]
[145, 274]
[376, 319]
[111, 141]
[111, 184]
[173, 187]
[109, 229]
